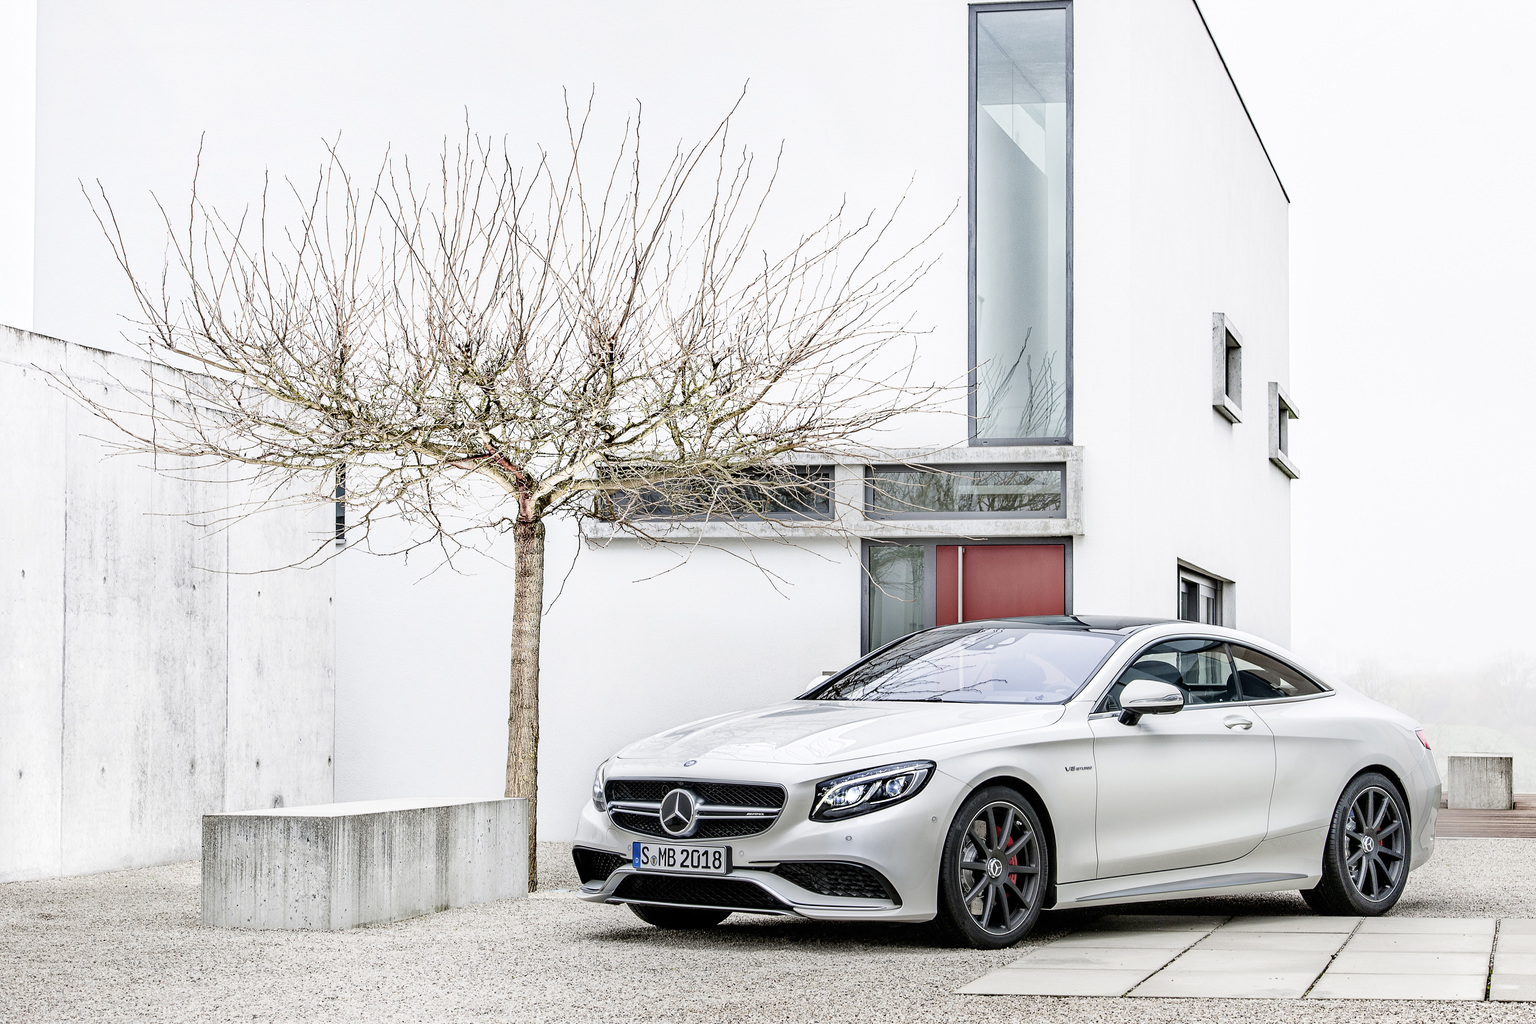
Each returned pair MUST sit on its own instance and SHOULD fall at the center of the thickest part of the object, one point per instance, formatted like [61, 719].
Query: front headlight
[870, 790]
[599, 798]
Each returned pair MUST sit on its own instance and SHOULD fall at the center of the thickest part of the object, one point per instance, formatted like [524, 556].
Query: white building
[1122, 241]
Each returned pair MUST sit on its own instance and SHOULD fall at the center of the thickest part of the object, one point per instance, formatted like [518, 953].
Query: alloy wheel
[999, 868]
[1374, 844]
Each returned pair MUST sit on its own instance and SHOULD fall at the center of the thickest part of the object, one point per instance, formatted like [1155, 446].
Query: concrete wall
[145, 680]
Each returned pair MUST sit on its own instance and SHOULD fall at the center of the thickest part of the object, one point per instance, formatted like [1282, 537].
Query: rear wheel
[994, 871]
[1365, 864]
[679, 917]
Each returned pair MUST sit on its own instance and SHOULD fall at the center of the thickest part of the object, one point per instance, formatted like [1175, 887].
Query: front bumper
[901, 843]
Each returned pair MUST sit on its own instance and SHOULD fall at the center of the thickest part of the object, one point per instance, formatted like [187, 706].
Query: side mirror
[1145, 697]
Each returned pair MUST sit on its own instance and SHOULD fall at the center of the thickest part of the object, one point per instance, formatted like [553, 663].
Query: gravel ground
[128, 946]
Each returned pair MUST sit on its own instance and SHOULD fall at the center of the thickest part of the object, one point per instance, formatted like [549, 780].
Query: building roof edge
[1241, 102]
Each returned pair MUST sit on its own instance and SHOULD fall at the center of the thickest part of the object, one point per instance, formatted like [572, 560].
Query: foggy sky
[1403, 133]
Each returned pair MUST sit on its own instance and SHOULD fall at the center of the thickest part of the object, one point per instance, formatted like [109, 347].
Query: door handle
[1236, 722]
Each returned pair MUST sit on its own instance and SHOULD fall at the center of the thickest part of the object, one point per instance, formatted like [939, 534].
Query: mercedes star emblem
[679, 813]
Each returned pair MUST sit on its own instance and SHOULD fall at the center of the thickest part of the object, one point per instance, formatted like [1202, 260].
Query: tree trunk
[523, 715]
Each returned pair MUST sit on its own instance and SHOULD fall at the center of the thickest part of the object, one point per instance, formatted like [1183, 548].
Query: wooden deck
[1519, 823]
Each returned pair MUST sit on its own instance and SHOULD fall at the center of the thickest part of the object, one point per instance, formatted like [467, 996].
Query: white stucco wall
[18, 133]
[1176, 215]
[145, 677]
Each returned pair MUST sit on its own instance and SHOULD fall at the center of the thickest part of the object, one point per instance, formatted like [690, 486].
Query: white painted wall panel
[31, 611]
[1178, 215]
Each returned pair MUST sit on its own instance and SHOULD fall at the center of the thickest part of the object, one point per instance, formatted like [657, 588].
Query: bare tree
[486, 347]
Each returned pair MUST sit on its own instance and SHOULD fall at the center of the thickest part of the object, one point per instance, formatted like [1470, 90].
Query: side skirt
[1286, 862]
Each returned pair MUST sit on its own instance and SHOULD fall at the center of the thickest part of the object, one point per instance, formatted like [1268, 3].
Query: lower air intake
[596, 865]
[835, 878]
[698, 892]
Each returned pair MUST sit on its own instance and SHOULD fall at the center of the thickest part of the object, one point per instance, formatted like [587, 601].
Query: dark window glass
[969, 665]
[1199, 668]
[1264, 678]
[896, 576]
[975, 490]
[794, 492]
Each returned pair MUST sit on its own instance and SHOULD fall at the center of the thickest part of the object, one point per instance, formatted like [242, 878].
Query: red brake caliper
[1014, 860]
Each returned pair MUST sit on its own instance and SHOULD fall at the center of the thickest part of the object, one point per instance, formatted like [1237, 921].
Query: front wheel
[679, 917]
[994, 871]
[1365, 864]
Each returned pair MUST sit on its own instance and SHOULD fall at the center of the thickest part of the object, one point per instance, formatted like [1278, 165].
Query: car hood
[814, 732]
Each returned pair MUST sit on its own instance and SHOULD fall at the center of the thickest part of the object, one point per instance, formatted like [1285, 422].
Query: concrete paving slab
[1517, 926]
[1428, 925]
[1114, 958]
[1334, 985]
[1313, 942]
[1514, 963]
[1519, 988]
[1303, 923]
[1410, 963]
[1010, 982]
[1515, 943]
[1251, 961]
[1133, 940]
[1153, 923]
[1410, 942]
[1226, 984]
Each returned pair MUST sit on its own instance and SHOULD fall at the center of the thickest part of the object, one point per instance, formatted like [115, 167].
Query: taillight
[1422, 738]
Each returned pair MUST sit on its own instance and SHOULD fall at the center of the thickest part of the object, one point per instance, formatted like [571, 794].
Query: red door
[999, 581]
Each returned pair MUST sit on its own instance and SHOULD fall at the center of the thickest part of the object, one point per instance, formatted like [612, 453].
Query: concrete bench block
[1480, 782]
[336, 866]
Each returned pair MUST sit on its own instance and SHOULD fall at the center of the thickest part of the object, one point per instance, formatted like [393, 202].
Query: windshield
[987, 665]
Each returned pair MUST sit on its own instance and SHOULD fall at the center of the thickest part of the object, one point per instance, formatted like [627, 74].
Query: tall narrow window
[1021, 219]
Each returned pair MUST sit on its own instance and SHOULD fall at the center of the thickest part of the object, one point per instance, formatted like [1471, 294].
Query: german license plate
[682, 860]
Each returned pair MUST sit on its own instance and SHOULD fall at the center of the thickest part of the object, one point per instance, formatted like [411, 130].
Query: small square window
[1281, 411]
[1201, 597]
[1226, 368]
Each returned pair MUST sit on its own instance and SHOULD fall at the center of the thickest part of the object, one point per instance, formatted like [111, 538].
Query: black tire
[1365, 863]
[983, 905]
[679, 917]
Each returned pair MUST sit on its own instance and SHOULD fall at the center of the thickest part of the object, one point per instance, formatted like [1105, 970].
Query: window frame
[815, 474]
[1324, 688]
[976, 10]
[1221, 586]
[1226, 347]
[871, 471]
[930, 546]
[1281, 411]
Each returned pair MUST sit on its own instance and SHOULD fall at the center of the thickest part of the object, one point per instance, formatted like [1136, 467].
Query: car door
[1316, 749]
[1184, 789]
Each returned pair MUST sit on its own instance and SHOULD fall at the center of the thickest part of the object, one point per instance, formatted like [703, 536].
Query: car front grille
[727, 810]
[836, 878]
[738, 794]
[596, 865]
[698, 892]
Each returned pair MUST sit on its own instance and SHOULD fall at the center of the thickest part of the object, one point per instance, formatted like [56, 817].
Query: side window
[1197, 667]
[1264, 678]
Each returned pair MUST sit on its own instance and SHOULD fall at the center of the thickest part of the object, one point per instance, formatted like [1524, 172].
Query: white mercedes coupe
[977, 774]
